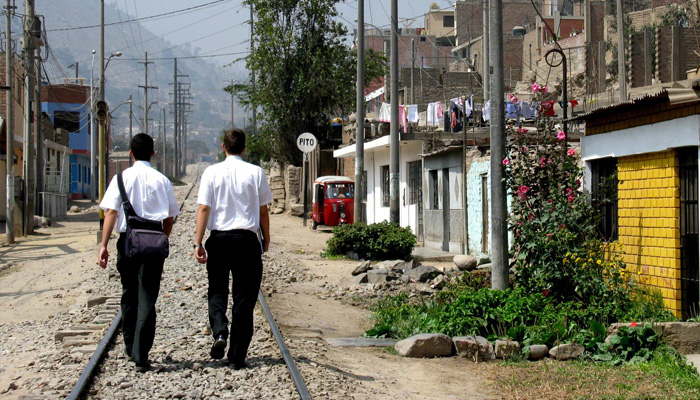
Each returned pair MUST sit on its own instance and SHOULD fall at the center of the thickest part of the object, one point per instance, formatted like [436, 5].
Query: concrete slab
[430, 254]
[360, 342]
[694, 360]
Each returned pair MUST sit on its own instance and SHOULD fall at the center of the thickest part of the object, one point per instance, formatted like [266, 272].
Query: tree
[305, 72]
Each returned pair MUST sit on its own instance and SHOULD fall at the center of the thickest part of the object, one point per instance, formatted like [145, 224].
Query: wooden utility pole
[145, 87]
[394, 206]
[252, 71]
[9, 127]
[621, 70]
[29, 111]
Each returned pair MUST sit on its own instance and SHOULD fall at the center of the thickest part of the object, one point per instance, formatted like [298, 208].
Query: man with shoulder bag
[141, 202]
[233, 199]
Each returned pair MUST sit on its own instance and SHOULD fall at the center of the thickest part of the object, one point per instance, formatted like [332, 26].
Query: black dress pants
[140, 278]
[235, 253]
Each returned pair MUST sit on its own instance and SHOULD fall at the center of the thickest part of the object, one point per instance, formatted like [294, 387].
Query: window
[386, 196]
[67, 120]
[434, 190]
[448, 21]
[414, 182]
[604, 196]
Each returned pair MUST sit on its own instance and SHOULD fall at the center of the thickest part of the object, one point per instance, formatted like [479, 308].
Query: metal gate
[690, 265]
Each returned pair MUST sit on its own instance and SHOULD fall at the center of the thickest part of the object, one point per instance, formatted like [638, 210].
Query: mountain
[211, 106]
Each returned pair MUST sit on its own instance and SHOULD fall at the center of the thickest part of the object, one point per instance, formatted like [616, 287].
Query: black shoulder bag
[144, 238]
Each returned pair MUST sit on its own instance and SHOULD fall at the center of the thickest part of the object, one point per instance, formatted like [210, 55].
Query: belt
[234, 232]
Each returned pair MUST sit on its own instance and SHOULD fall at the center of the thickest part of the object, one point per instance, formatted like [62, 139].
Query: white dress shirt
[150, 193]
[235, 190]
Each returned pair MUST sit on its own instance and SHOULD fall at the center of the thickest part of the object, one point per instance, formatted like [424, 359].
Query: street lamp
[102, 75]
[93, 140]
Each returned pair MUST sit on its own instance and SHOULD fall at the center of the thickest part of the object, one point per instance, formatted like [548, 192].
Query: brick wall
[427, 50]
[566, 28]
[597, 31]
[664, 63]
[70, 94]
[637, 67]
[649, 217]
[689, 58]
[634, 115]
[468, 20]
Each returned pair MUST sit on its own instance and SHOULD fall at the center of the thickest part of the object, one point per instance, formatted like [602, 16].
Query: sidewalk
[38, 273]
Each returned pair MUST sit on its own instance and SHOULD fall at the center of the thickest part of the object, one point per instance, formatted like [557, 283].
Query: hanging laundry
[468, 106]
[528, 111]
[447, 122]
[385, 113]
[487, 111]
[430, 115]
[413, 113]
[511, 111]
[573, 103]
[402, 118]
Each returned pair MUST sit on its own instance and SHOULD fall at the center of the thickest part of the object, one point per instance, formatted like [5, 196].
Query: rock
[484, 267]
[297, 210]
[376, 277]
[197, 366]
[277, 210]
[359, 279]
[475, 348]
[506, 348]
[538, 352]
[425, 345]
[125, 385]
[440, 282]
[362, 267]
[566, 351]
[399, 265]
[465, 262]
[424, 273]
[10, 386]
[74, 209]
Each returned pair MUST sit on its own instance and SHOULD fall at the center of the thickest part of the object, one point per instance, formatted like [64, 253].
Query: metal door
[690, 266]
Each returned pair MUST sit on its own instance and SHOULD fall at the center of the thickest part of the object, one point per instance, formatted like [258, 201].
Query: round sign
[306, 142]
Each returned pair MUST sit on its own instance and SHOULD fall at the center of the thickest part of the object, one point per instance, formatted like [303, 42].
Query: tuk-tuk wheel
[314, 224]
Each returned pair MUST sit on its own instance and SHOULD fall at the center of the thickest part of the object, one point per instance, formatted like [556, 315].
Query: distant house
[641, 160]
[68, 107]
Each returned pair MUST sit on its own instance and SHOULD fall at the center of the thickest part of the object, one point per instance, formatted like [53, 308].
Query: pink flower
[544, 89]
[520, 223]
[524, 149]
[543, 162]
[507, 126]
[549, 200]
[506, 161]
[545, 293]
[570, 152]
[568, 190]
[523, 189]
[524, 130]
[549, 234]
[535, 87]
[561, 135]
[570, 199]
[633, 324]
[578, 182]
[531, 216]
[563, 226]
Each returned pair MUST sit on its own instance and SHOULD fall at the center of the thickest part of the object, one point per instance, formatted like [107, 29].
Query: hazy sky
[222, 27]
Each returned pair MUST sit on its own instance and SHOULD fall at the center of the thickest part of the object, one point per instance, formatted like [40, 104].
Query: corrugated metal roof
[651, 97]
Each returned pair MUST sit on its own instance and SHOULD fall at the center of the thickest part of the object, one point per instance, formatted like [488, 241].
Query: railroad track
[92, 370]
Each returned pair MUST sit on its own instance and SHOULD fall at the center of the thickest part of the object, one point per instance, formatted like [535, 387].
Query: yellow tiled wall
[649, 222]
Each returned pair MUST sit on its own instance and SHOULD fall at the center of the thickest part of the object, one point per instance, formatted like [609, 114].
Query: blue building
[68, 106]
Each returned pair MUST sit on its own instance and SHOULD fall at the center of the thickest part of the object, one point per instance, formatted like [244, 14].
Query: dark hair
[234, 141]
[142, 147]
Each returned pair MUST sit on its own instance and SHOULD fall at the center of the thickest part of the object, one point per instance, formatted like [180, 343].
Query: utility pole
[499, 226]
[131, 119]
[394, 212]
[145, 87]
[486, 75]
[386, 74]
[93, 142]
[176, 111]
[232, 104]
[252, 72]
[360, 114]
[102, 158]
[621, 70]
[38, 131]
[9, 127]
[413, 66]
[165, 142]
[29, 114]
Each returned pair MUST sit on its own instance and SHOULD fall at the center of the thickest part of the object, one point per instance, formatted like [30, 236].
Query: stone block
[362, 267]
[465, 262]
[506, 348]
[567, 351]
[424, 273]
[538, 352]
[59, 336]
[475, 348]
[425, 345]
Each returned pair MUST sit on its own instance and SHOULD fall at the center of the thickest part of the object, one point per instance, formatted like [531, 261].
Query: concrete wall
[476, 168]
[434, 220]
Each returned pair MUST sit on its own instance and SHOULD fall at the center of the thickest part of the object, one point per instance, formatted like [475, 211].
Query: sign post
[306, 142]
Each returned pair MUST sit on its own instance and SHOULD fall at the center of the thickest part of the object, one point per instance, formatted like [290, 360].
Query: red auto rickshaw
[333, 201]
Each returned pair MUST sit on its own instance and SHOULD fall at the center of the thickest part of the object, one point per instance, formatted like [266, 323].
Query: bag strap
[128, 209]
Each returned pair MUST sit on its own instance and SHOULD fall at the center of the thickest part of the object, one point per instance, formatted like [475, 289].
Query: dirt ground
[299, 313]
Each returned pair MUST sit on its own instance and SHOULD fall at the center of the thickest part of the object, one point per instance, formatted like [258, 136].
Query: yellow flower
[599, 262]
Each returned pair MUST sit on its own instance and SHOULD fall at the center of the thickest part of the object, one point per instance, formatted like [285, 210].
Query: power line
[184, 10]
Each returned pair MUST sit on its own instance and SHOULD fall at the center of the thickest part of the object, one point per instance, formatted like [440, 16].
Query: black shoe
[236, 366]
[218, 348]
[145, 367]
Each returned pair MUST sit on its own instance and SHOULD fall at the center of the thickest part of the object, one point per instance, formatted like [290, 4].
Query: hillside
[210, 105]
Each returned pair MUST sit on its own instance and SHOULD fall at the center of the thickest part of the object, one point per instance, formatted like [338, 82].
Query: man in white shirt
[233, 199]
[152, 197]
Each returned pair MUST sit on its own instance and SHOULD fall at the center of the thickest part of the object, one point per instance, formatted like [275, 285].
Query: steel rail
[291, 365]
[89, 371]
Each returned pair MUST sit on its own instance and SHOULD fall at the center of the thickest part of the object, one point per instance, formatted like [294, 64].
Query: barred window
[386, 197]
[414, 182]
[604, 196]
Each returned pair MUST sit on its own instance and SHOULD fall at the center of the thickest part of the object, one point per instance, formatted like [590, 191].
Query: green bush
[382, 241]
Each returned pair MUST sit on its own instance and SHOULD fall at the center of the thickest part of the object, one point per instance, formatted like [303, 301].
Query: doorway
[690, 268]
